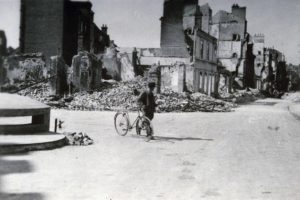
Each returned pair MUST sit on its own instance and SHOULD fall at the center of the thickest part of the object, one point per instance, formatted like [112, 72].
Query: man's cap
[151, 84]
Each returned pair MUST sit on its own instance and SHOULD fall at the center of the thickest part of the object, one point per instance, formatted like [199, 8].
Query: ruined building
[258, 51]
[65, 33]
[249, 73]
[274, 72]
[187, 57]
[231, 31]
[60, 27]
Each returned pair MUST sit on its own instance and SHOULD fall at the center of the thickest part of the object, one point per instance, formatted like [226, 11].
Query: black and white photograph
[149, 100]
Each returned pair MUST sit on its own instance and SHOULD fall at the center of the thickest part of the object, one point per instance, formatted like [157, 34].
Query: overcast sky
[136, 22]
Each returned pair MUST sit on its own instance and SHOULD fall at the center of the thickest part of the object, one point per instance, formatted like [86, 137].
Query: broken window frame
[236, 37]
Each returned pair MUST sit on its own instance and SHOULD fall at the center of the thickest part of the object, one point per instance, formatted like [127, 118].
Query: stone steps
[10, 144]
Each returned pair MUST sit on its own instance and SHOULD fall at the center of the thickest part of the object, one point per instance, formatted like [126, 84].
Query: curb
[23, 148]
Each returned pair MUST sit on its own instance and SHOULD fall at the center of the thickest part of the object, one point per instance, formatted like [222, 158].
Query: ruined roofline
[81, 3]
[192, 10]
[223, 16]
[237, 6]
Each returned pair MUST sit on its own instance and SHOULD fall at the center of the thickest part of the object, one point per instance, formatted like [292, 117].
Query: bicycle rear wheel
[121, 123]
[143, 126]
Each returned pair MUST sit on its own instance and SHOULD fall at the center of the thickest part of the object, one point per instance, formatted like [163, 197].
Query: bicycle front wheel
[121, 123]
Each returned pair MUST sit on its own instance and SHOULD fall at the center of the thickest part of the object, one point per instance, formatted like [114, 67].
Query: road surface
[251, 153]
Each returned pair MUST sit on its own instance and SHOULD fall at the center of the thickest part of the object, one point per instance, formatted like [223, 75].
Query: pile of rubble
[171, 101]
[293, 97]
[123, 95]
[119, 95]
[78, 139]
[241, 96]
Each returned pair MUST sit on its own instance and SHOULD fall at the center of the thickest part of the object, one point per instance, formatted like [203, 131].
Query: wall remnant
[86, 71]
[111, 62]
[127, 68]
[58, 76]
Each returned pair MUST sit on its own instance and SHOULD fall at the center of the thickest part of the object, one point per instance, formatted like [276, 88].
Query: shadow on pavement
[10, 166]
[181, 139]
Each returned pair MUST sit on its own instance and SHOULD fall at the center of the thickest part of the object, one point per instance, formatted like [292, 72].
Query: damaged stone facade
[274, 72]
[258, 51]
[187, 57]
[205, 64]
[231, 31]
[60, 27]
[86, 72]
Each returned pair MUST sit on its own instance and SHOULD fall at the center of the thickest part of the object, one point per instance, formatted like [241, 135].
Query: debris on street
[78, 139]
[241, 96]
[114, 96]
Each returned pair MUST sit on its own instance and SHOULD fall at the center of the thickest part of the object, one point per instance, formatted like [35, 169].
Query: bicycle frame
[134, 122]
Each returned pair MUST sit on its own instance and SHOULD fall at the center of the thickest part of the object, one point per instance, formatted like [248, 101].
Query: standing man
[147, 102]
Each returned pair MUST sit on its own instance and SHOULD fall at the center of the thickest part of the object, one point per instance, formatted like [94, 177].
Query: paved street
[251, 153]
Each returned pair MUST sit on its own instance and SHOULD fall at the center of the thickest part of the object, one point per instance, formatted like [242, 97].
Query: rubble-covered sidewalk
[122, 95]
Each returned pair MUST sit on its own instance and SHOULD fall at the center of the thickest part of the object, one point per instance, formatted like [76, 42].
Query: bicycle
[123, 125]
